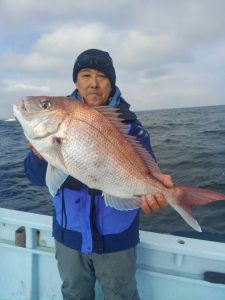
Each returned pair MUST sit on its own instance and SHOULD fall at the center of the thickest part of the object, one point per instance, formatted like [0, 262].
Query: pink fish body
[93, 146]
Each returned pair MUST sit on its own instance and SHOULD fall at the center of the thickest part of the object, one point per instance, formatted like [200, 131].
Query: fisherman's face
[94, 87]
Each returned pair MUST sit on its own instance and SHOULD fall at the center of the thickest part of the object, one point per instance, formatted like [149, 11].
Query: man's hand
[35, 151]
[153, 203]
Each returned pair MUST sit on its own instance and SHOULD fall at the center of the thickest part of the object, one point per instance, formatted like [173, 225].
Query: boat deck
[169, 267]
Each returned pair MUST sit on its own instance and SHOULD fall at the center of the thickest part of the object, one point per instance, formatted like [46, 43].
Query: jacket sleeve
[142, 136]
[35, 169]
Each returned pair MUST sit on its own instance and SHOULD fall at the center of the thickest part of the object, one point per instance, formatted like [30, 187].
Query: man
[92, 240]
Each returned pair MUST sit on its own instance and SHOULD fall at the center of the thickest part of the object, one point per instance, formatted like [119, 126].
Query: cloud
[137, 51]
[14, 86]
[69, 38]
[166, 53]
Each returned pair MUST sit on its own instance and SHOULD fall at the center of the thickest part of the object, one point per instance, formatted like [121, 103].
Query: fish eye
[46, 104]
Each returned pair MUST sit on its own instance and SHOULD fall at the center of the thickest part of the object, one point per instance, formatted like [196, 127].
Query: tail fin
[196, 196]
[186, 197]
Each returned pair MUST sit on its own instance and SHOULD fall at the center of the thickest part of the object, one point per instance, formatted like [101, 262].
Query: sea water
[189, 144]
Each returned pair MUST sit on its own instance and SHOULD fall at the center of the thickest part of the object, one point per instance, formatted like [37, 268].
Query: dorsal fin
[112, 115]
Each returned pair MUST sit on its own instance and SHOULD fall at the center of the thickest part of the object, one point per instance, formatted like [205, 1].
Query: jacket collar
[115, 101]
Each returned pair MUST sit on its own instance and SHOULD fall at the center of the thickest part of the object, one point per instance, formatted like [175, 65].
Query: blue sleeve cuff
[35, 169]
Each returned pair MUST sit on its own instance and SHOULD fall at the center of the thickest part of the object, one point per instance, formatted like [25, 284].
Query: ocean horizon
[12, 118]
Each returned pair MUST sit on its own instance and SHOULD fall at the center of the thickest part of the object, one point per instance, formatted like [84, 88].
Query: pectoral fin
[54, 179]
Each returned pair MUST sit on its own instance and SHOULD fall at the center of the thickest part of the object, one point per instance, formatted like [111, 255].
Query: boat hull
[169, 267]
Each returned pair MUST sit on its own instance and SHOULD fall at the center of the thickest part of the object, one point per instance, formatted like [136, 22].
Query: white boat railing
[169, 267]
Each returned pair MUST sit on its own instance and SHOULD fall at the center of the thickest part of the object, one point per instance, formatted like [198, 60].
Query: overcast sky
[167, 53]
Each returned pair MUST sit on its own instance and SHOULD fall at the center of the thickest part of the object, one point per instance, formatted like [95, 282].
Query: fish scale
[104, 156]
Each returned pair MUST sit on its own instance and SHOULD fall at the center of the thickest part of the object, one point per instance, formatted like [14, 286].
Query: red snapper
[93, 146]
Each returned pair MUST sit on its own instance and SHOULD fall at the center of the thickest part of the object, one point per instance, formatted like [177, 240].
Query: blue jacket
[81, 219]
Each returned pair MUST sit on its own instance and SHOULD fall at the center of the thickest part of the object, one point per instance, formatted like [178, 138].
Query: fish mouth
[21, 105]
[20, 109]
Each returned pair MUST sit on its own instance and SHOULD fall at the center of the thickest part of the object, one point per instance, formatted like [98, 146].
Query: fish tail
[197, 196]
[185, 197]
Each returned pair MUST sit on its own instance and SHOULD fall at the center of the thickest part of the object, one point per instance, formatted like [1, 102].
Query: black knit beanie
[98, 60]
